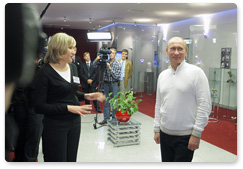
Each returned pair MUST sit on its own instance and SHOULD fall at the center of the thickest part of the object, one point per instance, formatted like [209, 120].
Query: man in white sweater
[183, 105]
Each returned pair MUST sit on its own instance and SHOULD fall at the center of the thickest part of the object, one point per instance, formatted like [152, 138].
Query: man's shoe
[103, 122]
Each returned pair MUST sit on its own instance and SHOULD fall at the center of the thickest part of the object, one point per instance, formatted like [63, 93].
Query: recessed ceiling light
[171, 13]
[168, 13]
[143, 20]
[199, 4]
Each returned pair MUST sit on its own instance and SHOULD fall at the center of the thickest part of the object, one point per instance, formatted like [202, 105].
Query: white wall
[143, 41]
[224, 29]
[225, 33]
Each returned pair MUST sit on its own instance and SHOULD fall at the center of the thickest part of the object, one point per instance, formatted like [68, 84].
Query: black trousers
[33, 135]
[88, 89]
[174, 148]
[20, 116]
[30, 130]
[61, 139]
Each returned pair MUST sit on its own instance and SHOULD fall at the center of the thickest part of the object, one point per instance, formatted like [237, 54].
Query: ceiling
[79, 15]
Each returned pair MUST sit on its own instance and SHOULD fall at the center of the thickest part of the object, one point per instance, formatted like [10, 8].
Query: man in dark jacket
[88, 76]
[77, 61]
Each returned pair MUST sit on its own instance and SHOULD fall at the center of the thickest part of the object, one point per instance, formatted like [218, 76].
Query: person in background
[183, 105]
[126, 71]
[77, 61]
[111, 79]
[89, 79]
[40, 60]
[57, 97]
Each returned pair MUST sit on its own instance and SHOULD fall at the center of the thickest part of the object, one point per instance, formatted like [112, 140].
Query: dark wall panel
[81, 38]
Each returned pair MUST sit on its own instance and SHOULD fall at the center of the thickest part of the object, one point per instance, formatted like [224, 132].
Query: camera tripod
[100, 89]
[103, 51]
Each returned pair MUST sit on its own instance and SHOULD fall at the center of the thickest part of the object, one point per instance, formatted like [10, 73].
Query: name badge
[76, 80]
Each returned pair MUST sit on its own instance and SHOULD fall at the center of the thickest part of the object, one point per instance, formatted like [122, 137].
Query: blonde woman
[57, 97]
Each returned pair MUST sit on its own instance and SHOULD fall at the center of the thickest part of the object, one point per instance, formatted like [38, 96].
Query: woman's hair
[58, 46]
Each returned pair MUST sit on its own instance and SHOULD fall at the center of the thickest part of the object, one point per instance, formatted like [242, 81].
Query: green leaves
[124, 102]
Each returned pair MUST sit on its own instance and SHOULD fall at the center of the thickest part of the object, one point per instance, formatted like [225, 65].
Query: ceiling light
[143, 20]
[168, 13]
[99, 36]
[171, 13]
[199, 4]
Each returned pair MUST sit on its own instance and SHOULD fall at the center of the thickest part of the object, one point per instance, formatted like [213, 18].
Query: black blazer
[78, 63]
[84, 74]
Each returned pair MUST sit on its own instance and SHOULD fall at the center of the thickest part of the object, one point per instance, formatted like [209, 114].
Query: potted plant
[125, 104]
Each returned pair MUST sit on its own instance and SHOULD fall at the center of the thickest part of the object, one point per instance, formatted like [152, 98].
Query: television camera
[103, 53]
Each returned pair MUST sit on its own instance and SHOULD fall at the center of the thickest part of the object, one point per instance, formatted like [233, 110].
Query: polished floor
[94, 146]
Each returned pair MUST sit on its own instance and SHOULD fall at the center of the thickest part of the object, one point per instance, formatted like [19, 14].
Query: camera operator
[111, 80]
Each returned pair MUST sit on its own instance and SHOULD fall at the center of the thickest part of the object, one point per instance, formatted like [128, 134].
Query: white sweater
[183, 102]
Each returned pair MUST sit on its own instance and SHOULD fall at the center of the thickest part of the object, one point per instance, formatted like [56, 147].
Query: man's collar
[179, 66]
